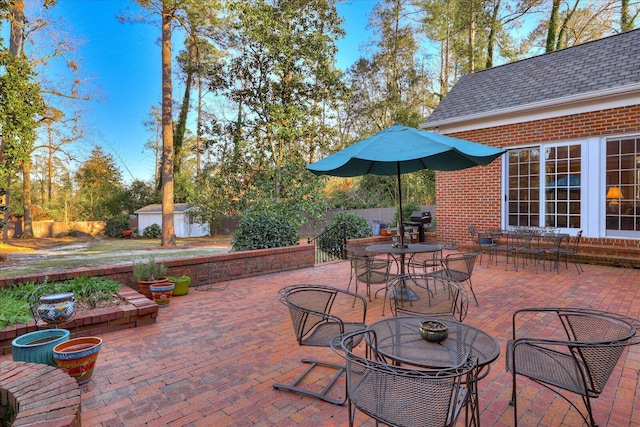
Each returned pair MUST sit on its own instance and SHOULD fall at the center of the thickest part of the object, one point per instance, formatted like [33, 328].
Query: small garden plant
[149, 271]
[16, 301]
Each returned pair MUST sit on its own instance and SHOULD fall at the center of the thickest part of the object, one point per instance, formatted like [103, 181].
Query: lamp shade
[614, 193]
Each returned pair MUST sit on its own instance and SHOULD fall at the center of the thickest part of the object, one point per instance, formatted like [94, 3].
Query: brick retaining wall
[40, 395]
[203, 270]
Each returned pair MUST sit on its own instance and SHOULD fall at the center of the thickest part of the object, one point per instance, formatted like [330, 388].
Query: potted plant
[149, 273]
[182, 284]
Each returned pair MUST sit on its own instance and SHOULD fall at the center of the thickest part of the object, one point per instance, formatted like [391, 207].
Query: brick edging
[136, 310]
[40, 395]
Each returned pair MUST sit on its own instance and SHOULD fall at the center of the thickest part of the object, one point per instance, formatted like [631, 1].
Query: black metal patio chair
[503, 244]
[568, 251]
[426, 295]
[318, 314]
[400, 396]
[579, 358]
[459, 267]
[368, 270]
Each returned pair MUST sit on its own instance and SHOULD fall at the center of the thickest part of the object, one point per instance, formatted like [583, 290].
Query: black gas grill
[421, 220]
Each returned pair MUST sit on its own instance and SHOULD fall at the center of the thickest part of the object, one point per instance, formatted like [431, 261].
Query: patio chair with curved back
[432, 262]
[368, 270]
[480, 241]
[400, 396]
[579, 358]
[527, 244]
[570, 251]
[425, 295]
[318, 314]
[459, 267]
[503, 243]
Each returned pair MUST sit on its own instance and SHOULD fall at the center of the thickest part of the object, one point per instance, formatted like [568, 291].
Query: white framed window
[544, 186]
[622, 199]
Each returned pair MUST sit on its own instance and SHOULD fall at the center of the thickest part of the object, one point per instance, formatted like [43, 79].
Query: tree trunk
[553, 26]
[168, 233]
[15, 45]
[181, 127]
[5, 213]
[472, 37]
[26, 194]
[199, 128]
[491, 39]
[626, 21]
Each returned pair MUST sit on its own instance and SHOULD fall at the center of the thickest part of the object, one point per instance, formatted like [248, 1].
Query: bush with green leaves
[355, 227]
[152, 231]
[115, 226]
[264, 229]
[16, 301]
[407, 209]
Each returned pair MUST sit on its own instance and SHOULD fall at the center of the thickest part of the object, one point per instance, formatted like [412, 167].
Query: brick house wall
[479, 188]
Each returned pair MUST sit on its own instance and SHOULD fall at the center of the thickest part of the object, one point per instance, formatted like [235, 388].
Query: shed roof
[608, 64]
[157, 208]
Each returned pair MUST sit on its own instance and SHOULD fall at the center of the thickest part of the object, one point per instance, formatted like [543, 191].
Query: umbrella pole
[401, 224]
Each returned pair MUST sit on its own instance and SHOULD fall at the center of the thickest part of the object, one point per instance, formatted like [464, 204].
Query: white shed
[152, 214]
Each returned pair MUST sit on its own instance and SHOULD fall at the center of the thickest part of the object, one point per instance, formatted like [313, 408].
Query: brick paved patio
[212, 357]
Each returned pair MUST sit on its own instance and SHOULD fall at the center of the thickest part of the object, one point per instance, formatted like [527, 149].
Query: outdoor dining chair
[569, 251]
[503, 244]
[425, 295]
[527, 247]
[396, 395]
[481, 241]
[318, 314]
[578, 359]
[431, 263]
[368, 270]
[459, 267]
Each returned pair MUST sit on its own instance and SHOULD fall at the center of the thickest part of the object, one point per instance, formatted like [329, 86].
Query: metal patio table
[399, 340]
[399, 254]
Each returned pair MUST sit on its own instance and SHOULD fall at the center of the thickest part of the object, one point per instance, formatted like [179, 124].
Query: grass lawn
[23, 256]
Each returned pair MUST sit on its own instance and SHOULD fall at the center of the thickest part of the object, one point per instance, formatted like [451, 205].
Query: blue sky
[123, 61]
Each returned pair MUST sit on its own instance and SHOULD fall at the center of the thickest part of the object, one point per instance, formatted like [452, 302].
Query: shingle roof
[599, 65]
[157, 208]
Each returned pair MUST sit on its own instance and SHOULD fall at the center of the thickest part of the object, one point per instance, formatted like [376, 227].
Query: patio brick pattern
[212, 356]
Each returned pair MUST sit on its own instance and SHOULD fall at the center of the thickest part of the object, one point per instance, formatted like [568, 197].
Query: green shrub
[152, 232]
[262, 230]
[355, 227]
[407, 209]
[115, 226]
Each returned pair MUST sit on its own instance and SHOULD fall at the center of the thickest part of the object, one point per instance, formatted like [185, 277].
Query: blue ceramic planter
[37, 347]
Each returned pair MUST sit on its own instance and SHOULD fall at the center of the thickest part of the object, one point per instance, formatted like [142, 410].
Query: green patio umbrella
[400, 149]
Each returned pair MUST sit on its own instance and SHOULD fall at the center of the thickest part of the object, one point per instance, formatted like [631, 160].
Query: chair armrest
[357, 306]
[631, 335]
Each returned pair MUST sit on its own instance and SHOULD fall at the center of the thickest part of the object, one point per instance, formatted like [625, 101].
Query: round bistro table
[399, 340]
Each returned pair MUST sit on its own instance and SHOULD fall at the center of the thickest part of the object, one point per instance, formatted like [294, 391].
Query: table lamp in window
[614, 195]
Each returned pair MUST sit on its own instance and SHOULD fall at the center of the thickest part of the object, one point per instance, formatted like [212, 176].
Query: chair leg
[473, 293]
[512, 402]
[577, 264]
[340, 369]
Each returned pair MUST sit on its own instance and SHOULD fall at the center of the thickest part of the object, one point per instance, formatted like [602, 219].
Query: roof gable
[607, 64]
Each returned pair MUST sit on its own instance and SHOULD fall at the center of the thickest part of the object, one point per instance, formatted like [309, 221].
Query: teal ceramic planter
[37, 347]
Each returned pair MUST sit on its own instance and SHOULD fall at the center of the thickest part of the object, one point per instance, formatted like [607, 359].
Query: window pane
[622, 205]
[524, 169]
